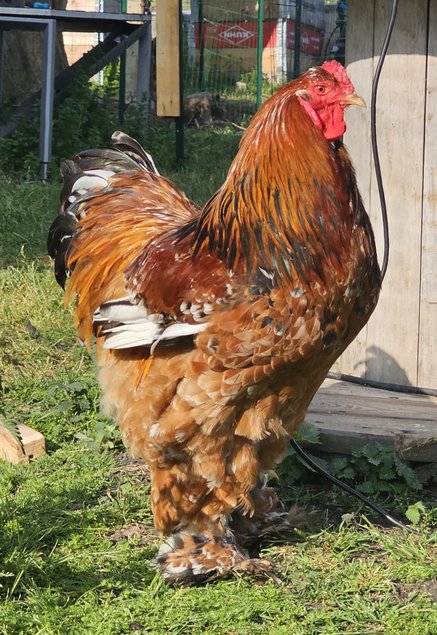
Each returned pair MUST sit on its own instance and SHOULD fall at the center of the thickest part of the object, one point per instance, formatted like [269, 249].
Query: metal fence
[243, 49]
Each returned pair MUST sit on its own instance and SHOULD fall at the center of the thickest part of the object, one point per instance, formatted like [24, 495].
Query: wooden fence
[400, 342]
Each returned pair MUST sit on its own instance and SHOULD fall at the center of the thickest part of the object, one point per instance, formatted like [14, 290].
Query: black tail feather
[61, 233]
[93, 168]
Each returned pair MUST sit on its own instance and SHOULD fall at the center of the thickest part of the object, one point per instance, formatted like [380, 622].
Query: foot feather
[190, 559]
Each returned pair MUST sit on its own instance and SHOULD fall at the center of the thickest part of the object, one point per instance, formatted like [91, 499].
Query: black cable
[375, 140]
[307, 459]
[347, 488]
[325, 53]
[382, 385]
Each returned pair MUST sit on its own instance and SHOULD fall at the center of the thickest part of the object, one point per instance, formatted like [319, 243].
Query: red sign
[311, 39]
[245, 35]
[223, 35]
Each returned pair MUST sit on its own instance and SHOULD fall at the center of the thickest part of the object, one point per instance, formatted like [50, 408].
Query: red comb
[339, 72]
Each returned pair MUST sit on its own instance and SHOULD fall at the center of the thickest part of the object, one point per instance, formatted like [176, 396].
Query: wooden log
[11, 450]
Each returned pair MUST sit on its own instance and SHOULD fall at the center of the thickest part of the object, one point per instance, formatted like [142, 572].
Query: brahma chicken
[215, 326]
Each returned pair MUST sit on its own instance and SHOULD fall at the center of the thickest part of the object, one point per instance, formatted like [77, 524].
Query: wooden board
[168, 98]
[427, 371]
[398, 344]
[360, 66]
[349, 416]
[11, 450]
[393, 331]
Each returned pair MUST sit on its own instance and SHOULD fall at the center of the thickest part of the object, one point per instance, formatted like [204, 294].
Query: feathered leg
[200, 543]
[199, 475]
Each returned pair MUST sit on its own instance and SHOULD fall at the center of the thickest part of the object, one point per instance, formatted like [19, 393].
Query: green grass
[71, 557]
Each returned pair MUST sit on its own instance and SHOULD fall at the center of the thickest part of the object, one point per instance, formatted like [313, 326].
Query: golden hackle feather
[283, 193]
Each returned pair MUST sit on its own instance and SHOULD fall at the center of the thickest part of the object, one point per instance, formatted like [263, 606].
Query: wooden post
[392, 348]
[427, 365]
[168, 92]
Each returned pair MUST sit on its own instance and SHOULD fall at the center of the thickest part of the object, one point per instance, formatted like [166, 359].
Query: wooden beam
[360, 66]
[168, 98]
[393, 330]
[348, 416]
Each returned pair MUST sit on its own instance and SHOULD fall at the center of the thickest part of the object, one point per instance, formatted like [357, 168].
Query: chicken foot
[270, 519]
[189, 558]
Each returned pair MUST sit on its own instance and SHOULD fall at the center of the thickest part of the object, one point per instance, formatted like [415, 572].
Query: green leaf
[415, 512]
[338, 464]
[368, 487]
[386, 473]
[407, 474]
[13, 428]
[307, 434]
[348, 473]
[76, 386]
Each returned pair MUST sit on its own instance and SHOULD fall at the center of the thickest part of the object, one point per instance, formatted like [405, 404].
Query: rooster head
[324, 92]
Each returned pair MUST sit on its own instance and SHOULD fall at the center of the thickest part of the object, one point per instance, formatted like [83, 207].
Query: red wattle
[328, 119]
[333, 122]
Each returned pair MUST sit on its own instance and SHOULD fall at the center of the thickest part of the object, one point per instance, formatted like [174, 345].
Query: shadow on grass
[58, 538]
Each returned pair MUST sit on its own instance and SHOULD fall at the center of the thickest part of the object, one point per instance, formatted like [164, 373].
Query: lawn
[76, 538]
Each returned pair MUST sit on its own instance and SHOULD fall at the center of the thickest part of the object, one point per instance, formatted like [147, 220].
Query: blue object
[41, 5]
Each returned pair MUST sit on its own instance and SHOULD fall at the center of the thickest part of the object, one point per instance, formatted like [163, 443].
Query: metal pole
[259, 54]
[2, 59]
[180, 120]
[297, 37]
[201, 48]
[47, 94]
[122, 83]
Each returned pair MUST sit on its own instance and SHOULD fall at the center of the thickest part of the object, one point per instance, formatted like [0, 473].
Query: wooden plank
[11, 450]
[427, 370]
[359, 62]
[168, 101]
[392, 339]
[349, 416]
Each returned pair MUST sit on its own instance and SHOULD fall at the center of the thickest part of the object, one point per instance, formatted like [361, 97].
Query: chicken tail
[85, 176]
[113, 203]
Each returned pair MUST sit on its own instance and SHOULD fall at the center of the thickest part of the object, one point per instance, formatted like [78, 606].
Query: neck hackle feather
[285, 197]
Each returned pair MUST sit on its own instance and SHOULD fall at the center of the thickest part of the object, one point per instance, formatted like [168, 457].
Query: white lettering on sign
[236, 34]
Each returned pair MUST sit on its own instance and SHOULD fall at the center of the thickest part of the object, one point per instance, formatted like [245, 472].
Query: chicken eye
[320, 90]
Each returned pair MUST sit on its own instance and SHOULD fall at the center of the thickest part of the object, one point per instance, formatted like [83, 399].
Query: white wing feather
[128, 325]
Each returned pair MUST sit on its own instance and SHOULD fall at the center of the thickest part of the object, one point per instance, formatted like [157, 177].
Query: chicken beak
[353, 100]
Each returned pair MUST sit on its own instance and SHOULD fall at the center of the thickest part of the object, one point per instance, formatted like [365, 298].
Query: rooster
[215, 326]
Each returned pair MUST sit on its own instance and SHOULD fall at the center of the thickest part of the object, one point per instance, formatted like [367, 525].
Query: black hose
[382, 385]
[375, 140]
[347, 488]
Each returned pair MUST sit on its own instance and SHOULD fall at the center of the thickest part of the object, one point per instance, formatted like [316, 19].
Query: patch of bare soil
[422, 586]
[142, 534]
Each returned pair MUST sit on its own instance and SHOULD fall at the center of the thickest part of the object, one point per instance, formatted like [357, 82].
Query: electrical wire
[347, 488]
[374, 137]
[303, 455]
[382, 385]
